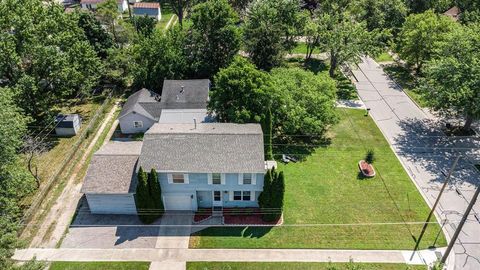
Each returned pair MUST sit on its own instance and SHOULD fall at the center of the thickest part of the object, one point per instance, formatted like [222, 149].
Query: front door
[217, 198]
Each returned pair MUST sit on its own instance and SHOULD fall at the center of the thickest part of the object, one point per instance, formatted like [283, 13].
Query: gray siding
[198, 185]
[111, 204]
[126, 123]
[150, 12]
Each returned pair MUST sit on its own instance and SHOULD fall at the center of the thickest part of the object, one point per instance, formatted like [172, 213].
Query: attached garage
[110, 182]
[178, 202]
[111, 204]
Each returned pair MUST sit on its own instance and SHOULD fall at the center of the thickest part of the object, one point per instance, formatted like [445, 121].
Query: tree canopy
[452, 80]
[100, 39]
[45, 56]
[213, 39]
[420, 35]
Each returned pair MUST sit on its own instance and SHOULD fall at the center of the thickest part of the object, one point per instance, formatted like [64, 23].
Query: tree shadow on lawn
[423, 142]
[299, 149]
[236, 231]
[314, 65]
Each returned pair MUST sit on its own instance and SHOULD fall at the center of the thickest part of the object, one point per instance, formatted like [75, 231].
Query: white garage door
[177, 202]
[111, 204]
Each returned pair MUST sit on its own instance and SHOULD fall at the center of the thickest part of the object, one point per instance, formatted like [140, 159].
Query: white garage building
[110, 182]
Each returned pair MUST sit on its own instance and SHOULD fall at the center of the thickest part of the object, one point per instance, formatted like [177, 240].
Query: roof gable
[144, 102]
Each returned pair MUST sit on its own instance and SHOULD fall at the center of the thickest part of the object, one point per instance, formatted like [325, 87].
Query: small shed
[149, 9]
[67, 124]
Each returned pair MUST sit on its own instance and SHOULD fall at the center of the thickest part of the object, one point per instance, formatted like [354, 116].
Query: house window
[137, 124]
[178, 178]
[217, 196]
[247, 178]
[246, 195]
[237, 195]
[216, 179]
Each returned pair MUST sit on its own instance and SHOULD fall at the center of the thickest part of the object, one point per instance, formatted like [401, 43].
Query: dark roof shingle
[185, 94]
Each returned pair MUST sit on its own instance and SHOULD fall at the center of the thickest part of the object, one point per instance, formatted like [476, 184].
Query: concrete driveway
[126, 231]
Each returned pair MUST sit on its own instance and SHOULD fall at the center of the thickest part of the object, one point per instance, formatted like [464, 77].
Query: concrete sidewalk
[427, 155]
[233, 255]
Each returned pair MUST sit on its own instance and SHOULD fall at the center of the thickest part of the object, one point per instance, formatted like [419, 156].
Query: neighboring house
[181, 100]
[67, 125]
[92, 4]
[110, 182]
[453, 13]
[149, 9]
[205, 165]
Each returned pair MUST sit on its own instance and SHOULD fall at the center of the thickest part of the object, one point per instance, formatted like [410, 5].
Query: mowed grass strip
[327, 204]
[298, 266]
[99, 266]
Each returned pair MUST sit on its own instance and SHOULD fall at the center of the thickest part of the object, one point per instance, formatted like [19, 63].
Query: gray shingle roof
[112, 169]
[211, 147]
[144, 102]
[185, 94]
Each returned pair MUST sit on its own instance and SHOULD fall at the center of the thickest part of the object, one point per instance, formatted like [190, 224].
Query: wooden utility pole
[447, 180]
[460, 226]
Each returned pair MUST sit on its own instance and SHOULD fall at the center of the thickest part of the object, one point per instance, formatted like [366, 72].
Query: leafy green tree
[420, 6]
[155, 193]
[267, 135]
[241, 93]
[343, 38]
[451, 81]
[143, 200]
[303, 102]
[270, 30]
[159, 57]
[214, 38]
[100, 39]
[179, 7]
[420, 35]
[49, 57]
[383, 14]
[108, 12]
[240, 6]
[264, 199]
[271, 198]
[15, 181]
[144, 25]
[470, 11]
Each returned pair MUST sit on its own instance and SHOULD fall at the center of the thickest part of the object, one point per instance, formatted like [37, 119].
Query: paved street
[427, 154]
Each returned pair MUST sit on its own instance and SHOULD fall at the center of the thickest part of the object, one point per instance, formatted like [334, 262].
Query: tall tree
[155, 193]
[383, 14]
[214, 38]
[420, 6]
[271, 29]
[143, 200]
[49, 57]
[267, 135]
[420, 35]
[241, 93]
[452, 82]
[158, 57]
[108, 11]
[100, 39]
[179, 7]
[144, 25]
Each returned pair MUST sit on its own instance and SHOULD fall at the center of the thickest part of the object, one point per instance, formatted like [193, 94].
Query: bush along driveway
[328, 205]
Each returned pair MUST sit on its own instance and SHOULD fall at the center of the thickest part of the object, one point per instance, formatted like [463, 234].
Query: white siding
[111, 204]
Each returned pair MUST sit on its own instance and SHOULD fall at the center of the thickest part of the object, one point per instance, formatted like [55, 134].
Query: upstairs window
[216, 178]
[178, 178]
[247, 178]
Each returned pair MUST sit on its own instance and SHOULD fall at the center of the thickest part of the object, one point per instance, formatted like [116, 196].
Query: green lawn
[167, 14]
[99, 266]
[328, 206]
[384, 57]
[407, 81]
[298, 266]
[302, 48]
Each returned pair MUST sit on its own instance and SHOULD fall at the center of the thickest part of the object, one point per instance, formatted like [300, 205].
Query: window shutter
[240, 178]
[254, 178]
[252, 196]
[170, 178]
[230, 197]
[209, 178]
[222, 179]
[185, 178]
